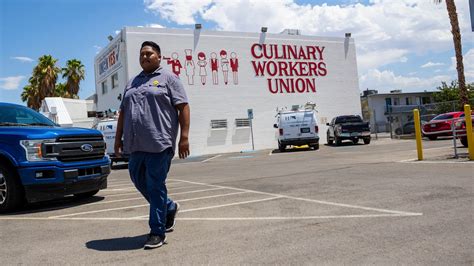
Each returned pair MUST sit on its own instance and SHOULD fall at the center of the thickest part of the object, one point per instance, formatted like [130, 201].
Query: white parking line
[435, 162]
[223, 205]
[289, 218]
[212, 158]
[309, 200]
[117, 194]
[129, 183]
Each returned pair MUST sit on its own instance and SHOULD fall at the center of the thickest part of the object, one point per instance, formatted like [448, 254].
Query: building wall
[336, 89]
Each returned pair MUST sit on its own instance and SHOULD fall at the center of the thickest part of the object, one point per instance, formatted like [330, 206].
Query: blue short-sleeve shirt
[149, 111]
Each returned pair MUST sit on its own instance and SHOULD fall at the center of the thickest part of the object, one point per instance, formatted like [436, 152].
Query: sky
[401, 44]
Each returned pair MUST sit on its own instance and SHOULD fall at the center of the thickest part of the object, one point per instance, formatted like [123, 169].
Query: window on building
[242, 122]
[396, 101]
[425, 100]
[114, 81]
[104, 87]
[218, 123]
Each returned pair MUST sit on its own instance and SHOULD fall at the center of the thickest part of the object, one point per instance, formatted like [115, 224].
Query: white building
[227, 73]
[69, 112]
[396, 106]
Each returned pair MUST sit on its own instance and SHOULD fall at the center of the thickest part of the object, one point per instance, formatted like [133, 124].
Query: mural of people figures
[189, 66]
[234, 66]
[225, 66]
[214, 67]
[202, 67]
[175, 63]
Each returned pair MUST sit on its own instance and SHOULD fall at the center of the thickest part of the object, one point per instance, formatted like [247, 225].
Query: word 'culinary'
[292, 68]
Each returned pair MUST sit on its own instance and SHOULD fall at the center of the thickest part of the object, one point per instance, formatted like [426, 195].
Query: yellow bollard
[419, 147]
[470, 138]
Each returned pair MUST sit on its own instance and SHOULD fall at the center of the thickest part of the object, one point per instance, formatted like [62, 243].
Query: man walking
[154, 106]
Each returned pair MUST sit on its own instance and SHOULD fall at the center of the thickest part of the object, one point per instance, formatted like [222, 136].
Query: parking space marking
[289, 218]
[119, 185]
[183, 187]
[117, 194]
[435, 162]
[223, 205]
[212, 158]
[310, 200]
[113, 201]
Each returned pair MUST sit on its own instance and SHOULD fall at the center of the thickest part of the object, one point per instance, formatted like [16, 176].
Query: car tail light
[281, 131]
[316, 129]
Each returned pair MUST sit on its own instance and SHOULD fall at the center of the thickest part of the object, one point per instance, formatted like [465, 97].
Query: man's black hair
[152, 45]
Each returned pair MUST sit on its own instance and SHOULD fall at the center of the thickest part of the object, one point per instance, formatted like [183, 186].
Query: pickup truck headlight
[34, 149]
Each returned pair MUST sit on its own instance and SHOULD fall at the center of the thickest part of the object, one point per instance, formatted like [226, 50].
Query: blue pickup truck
[40, 160]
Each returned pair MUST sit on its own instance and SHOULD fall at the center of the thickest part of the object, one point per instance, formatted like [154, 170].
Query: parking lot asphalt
[351, 204]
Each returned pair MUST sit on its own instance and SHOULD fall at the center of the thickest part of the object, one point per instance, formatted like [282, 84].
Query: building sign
[289, 68]
[109, 61]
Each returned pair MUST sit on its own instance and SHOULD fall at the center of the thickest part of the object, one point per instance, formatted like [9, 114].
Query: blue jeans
[148, 172]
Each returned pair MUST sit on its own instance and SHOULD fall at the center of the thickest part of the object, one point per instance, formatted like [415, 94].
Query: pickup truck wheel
[11, 191]
[367, 141]
[86, 194]
[330, 141]
[338, 141]
[355, 141]
[464, 141]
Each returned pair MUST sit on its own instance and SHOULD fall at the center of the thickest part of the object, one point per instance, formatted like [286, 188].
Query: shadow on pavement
[117, 244]
[55, 204]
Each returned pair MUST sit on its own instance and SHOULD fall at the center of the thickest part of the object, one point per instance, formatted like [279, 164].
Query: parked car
[297, 127]
[441, 125]
[40, 160]
[348, 127]
[408, 128]
[461, 130]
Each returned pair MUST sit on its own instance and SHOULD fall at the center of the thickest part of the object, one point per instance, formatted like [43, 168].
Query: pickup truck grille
[75, 148]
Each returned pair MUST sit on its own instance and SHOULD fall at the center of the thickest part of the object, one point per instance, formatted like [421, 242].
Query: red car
[461, 130]
[440, 125]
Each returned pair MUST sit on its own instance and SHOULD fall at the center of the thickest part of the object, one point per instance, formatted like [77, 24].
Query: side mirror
[275, 125]
[327, 124]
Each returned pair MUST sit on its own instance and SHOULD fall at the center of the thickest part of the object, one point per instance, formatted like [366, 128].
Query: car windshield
[22, 116]
[443, 117]
[348, 119]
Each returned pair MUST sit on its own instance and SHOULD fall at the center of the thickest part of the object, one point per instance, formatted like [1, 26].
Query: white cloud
[23, 59]
[387, 80]
[154, 25]
[468, 61]
[385, 31]
[11, 83]
[431, 64]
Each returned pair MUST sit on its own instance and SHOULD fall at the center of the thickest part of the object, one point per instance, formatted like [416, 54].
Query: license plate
[305, 130]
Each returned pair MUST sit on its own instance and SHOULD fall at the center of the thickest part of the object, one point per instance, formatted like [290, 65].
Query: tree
[453, 18]
[74, 73]
[61, 91]
[447, 97]
[46, 74]
[30, 94]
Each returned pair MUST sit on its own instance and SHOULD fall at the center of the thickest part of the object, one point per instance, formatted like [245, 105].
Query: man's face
[149, 59]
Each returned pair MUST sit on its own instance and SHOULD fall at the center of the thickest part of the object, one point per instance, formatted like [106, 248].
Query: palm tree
[30, 94]
[46, 74]
[61, 91]
[453, 18]
[74, 72]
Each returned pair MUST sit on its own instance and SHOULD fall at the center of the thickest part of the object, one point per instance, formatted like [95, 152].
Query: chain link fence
[400, 117]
